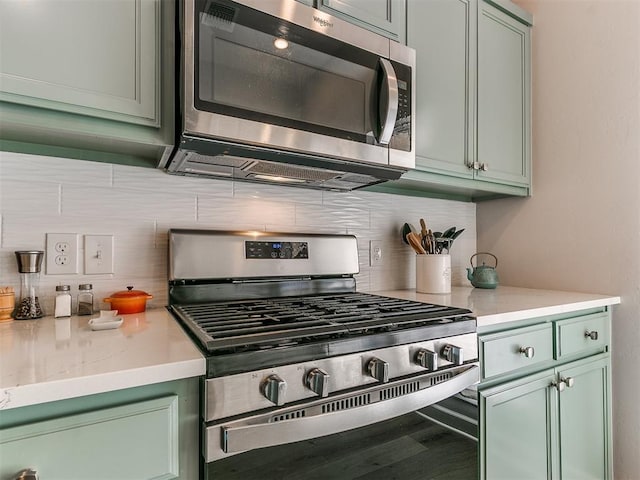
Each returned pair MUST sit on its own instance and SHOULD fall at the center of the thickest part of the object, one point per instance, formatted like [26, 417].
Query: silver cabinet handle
[569, 381]
[528, 352]
[592, 335]
[388, 108]
[479, 166]
[274, 389]
[27, 474]
[558, 385]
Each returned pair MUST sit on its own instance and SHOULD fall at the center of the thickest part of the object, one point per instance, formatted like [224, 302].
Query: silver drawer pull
[528, 352]
[27, 474]
[569, 381]
[592, 335]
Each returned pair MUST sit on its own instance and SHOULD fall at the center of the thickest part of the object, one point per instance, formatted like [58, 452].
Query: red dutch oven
[129, 301]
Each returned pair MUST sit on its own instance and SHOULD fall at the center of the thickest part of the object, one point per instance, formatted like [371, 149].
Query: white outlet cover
[98, 254]
[62, 253]
[375, 252]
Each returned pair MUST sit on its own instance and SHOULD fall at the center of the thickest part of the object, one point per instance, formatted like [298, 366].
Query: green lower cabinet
[517, 429]
[140, 433]
[554, 424]
[585, 449]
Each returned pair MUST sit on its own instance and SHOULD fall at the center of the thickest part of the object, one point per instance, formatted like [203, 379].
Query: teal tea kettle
[483, 276]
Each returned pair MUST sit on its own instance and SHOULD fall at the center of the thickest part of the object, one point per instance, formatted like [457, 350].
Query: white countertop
[54, 359]
[509, 304]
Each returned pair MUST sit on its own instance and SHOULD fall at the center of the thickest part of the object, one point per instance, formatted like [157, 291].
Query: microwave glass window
[253, 70]
[282, 84]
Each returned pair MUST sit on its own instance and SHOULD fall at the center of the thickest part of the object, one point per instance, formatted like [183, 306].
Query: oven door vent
[288, 416]
[443, 377]
[347, 403]
[399, 390]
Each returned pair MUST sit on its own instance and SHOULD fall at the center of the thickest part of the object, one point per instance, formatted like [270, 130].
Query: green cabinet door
[517, 428]
[472, 99]
[88, 80]
[443, 34]
[100, 59]
[138, 433]
[138, 440]
[585, 450]
[504, 105]
[386, 17]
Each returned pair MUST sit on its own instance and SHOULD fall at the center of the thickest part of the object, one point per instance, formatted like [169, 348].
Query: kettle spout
[470, 274]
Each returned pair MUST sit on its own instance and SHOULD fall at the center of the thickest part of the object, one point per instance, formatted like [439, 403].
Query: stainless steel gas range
[294, 352]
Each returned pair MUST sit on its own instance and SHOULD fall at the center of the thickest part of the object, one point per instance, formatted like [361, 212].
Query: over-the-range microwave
[276, 91]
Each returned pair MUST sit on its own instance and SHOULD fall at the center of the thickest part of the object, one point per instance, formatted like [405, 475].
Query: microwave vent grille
[291, 171]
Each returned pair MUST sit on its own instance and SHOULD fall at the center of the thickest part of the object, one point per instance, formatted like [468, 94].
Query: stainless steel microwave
[276, 91]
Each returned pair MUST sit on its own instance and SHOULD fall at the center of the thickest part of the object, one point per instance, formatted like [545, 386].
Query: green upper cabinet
[441, 31]
[504, 98]
[78, 63]
[97, 78]
[386, 17]
[472, 98]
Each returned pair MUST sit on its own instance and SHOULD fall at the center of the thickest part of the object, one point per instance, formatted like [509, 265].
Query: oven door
[375, 431]
[263, 76]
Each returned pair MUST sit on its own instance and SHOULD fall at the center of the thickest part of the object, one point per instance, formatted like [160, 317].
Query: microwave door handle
[242, 436]
[388, 103]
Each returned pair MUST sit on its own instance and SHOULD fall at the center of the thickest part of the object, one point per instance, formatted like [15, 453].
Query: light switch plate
[98, 254]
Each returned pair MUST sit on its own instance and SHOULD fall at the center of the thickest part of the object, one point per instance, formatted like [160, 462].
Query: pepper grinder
[29, 266]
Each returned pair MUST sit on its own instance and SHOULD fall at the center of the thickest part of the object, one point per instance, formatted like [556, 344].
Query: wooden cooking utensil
[414, 241]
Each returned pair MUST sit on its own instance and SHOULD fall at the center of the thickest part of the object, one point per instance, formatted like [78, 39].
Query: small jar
[85, 299]
[63, 301]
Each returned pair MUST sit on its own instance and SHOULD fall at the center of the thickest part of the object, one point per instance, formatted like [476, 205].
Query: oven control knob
[427, 359]
[452, 354]
[378, 369]
[274, 389]
[318, 381]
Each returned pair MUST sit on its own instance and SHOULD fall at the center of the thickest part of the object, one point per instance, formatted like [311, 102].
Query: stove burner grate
[282, 321]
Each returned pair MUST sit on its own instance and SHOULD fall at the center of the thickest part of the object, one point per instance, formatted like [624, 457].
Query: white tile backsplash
[40, 195]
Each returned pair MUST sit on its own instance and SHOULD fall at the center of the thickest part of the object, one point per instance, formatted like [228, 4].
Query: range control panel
[276, 250]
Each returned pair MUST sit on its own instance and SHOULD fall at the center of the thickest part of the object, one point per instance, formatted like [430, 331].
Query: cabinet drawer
[582, 335]
[507, 351]
[138, 440]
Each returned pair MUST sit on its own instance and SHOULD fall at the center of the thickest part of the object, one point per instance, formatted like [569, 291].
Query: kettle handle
[484, 253]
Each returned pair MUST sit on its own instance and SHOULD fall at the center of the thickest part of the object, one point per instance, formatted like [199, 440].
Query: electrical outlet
[62, 253]
[98, 254]
[375, 252]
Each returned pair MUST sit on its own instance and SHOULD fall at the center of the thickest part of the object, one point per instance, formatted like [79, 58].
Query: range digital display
[277, 250]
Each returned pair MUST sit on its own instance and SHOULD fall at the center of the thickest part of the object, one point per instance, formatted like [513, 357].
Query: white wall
[581, 229]
[40, 195]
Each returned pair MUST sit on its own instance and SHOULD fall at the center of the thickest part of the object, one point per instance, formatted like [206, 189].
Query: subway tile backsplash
[40, 195]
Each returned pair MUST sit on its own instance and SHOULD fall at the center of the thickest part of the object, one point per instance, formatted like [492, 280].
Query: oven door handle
[249, 434]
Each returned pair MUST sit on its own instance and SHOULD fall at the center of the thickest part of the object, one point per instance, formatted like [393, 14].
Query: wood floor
[404, 448]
